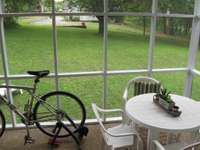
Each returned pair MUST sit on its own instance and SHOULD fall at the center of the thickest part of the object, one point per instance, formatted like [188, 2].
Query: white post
[152, 36]
[55, 49]
[105, 53]
[5, 60]
[193, 48]
[55, 45]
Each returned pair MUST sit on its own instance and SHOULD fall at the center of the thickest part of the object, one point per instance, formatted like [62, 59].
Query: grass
[30, 48]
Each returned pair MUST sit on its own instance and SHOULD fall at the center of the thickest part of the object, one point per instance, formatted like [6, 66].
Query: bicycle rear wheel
[61, 107]
[2, 123]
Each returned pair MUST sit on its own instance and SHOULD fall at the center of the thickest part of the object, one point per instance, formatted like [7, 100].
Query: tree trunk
[168, 28]
[144, 25]
[10, 21]
[101, 24]
[164, 25]
[199, 42]
[41, 6]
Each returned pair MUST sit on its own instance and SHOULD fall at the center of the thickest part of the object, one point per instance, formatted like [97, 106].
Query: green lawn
[30, 48]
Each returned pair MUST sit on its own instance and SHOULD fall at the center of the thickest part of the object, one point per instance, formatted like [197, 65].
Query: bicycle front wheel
[2, 123]
[59, 107]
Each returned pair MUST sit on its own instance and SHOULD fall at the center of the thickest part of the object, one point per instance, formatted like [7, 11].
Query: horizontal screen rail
[48, 124]
[196, 72]
[147, 14]
[51, 14]
[95, 73]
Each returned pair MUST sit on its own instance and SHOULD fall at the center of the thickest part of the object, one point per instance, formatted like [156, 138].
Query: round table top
[142, 110]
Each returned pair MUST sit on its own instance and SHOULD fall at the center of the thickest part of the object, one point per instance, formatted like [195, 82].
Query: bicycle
[50, 107]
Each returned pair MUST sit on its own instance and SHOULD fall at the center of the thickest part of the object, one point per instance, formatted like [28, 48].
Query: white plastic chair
[137, 86]
[117, 137]
[141, 85]
[177, 146]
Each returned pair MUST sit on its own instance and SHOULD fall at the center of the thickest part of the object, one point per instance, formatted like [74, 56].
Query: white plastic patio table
[143, 111]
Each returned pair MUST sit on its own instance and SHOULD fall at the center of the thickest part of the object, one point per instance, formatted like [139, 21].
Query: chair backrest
[141, 85]
[137, 86]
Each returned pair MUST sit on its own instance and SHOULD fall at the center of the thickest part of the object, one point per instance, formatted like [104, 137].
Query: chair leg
[135, 143]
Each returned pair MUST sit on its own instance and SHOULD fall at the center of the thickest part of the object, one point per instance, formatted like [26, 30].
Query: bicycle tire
[67, 96]
[2, 123]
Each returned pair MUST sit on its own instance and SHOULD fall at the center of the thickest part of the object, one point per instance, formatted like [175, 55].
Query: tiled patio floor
[14, 140]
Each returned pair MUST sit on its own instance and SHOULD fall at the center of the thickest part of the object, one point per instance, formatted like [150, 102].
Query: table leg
[152, 135]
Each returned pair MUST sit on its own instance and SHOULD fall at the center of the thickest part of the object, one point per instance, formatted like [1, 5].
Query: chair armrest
[134, 133]
[158, 145]
[121, 134]
[98, 110]
[109, 110]
[125, 95]
[191, 145]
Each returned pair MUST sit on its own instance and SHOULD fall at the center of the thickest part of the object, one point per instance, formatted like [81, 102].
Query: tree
[97, 6]
[140, 6]
[21, 6]
[15, 6]
[172, 25]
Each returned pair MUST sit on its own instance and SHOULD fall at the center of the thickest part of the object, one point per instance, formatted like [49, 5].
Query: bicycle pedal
[28, 140]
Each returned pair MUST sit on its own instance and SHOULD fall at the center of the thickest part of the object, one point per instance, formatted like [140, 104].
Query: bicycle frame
[12, 107]
[29, 116]
[29, 104]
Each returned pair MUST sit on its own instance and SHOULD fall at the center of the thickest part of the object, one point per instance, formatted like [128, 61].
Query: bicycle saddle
[40, 74]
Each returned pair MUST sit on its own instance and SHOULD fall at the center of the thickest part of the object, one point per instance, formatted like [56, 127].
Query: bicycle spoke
[45, 117]
[43, 113]
[46, 109]
[45, 120]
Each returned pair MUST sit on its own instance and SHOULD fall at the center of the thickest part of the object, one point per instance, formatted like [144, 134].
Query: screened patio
[104, 82]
